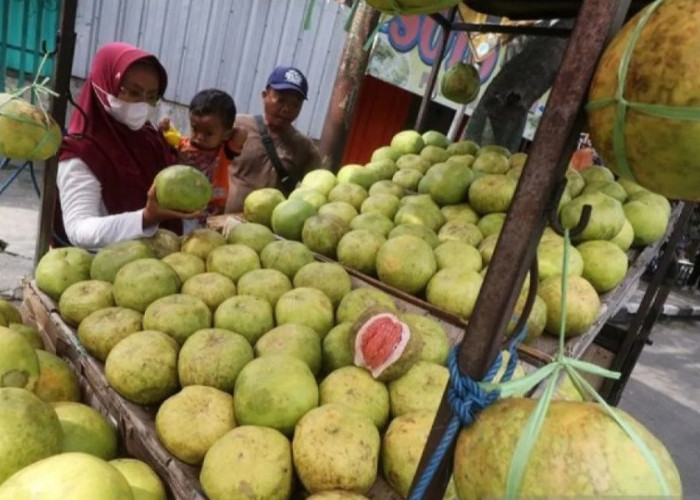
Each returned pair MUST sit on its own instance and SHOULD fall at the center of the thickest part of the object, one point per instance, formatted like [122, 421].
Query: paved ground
[664, 392]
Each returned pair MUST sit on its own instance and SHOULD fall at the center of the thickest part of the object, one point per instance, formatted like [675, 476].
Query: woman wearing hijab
[112, 153]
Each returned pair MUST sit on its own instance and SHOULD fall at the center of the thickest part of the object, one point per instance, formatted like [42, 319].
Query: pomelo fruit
[306, 306]
[458, 230]
[419, 389]
[182, 188]
[535, 322]
[340, 209]
[436, 344]
[574, 182]
[355, 303]
[408, 141]
[604, 264]
[358, 250]
[29, 333]
[321, 180]
[185, 265]
[9, 312]
[178, 315]
[57, 381]
[19, 366]
[461, 211]
[328, 277]
[82, 298]
[550, 259]
[355, 389]
[190, 422]
[435, 138]
[422, 232]
[259, 204]
[311, 196]
[491, 223]
[143, 281]
[607, 216]
[386, 152]
[85, 430]
[648, 222]
[625, 237]
[407, 179]
[383, 204]
[201, 242]
[491, 193]
[465, 160]
[356, 174]
[247, 315]
[321, 233]
[653, 199]
[26, 131]
[434, 154]
[336, 348]
[460, 83]
[268, 284]
[517, 160]
[274, 391]
[413, 162]
[494, 148]
[373, 222]
[286, 256]
[291, 339]
[387, 187]
[430, 176]
[61, 267]
[406, 262]
[611, 188]
[213, 357]
[382, 169]
[350, 193]
[251, 234]
[463, 148]
[163, 242]
[596, 173]
[336, 495]
[143, 367]
[110, 259]
[450, 185]
[486, 249]
[210, 288]
[582, 304]
[102, 330]
[232, 261]
[145, 483]
[455, 290]
[491, 162]
[458, 254]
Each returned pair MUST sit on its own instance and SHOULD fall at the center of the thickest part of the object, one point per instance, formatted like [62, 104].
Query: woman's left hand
[154, 214]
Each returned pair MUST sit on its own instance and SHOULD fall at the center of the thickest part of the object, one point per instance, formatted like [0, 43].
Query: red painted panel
[381, 111]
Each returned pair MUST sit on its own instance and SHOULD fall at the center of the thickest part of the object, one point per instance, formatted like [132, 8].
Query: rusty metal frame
[554, 142]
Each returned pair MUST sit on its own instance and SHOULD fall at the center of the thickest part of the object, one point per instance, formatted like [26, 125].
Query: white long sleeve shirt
[85, 217]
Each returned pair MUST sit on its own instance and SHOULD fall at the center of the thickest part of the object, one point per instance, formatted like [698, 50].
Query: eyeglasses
[139, 96]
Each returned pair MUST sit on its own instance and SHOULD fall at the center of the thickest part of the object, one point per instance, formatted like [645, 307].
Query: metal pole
[430, 85]
[554, 142]
[61, 79]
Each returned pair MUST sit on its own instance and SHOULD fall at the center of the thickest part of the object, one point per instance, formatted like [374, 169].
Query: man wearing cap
[284, 158]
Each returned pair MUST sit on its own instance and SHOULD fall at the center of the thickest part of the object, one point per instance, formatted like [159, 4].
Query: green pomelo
[247, 315]
[143, 281]
[321, 180]
[306, 306]
[297, 341]
[268, 284]
[182, 188]
[550, 259]
[387, 187]
[335, 447]
[491, 193]
[67, 476]
[604, 264]
[422, 232]
[654, 199]
[457, 230]
[515, 173]
[178, 315]
[85, 430]
[82, 298]
[602, 459]
[631, 187]
[458, 254]
[486, 249]
[259, 204]
[434, 154]
[286, 257]
[491, 223]
[145, 483]
[185, 265]
[517, 160]
[355, 389]
[386, 152]
[57, 381]
[435, 138]
[321, 233]
[402, 448]
[201, 242]
[191, 421]
[648, 222]
[406, 262]
[143, 367]
[462, 211]
[355, 303]
[328, 277]
[27, 131]
[29, 333]
[30, 431]
[428, 179]
[350, 193]
[491, 162]
[451, 185]
[413, 162]
[419, 213]
[595, 173]
[382, 169]
[582, 305]
[9, 312]
[463, 160]
[607, 216]
[248, 462]
[373, 222]
[339, 209]
[213, 357]
[494, 148]
[408, 141]
[436, 344]
[274, 391]
[59, 268]
[232, 261]
[625, 237]
[19, 366]
[463, 148]
[356, 174]
[102, 330]
[110, 259]
[408, 179]
[461, 83]
[163, 242]
[419, 389]
[574, 182]
[311, 196]
[250, 234]
[455, 290]
[611, 188]
[535, 322]
[383, 204]
[358, 250]
[336, 348]
[210, 288]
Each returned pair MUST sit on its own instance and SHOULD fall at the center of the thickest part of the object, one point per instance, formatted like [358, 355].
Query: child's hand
[238, 138]
[163, 125]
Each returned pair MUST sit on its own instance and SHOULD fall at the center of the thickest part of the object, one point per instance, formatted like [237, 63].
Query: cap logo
[293, 77]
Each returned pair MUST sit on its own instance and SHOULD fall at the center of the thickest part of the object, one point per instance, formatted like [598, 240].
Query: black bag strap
[286, 179]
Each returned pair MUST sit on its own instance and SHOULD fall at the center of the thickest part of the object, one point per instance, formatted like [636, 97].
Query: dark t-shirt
[253, 168]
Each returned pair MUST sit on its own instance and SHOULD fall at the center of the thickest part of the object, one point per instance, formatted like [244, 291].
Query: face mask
[132, 114]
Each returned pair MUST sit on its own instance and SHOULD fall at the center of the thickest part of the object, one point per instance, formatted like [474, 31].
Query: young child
[213, 144]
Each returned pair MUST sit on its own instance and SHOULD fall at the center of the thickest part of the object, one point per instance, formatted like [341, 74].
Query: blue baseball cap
[288, 78]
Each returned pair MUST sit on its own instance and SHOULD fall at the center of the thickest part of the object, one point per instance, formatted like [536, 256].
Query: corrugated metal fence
[229, 44]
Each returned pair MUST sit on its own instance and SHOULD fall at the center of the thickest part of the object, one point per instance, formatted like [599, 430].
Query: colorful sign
[405, 48]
